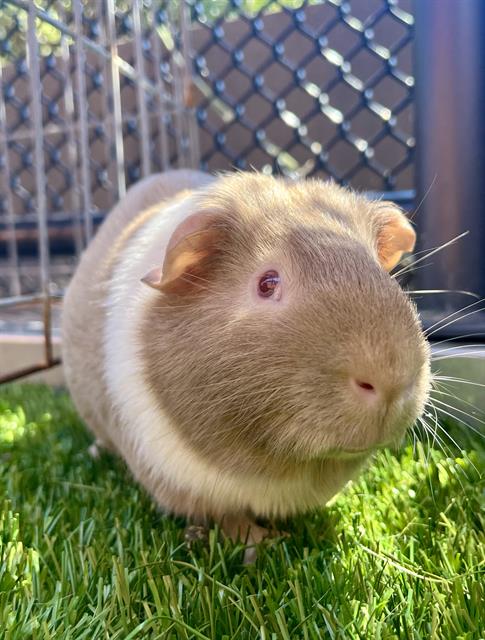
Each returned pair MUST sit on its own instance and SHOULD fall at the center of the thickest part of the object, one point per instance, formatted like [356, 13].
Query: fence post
[450, 162]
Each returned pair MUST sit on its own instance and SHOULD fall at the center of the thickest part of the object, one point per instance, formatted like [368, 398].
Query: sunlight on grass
[84, 553]
[12, 424]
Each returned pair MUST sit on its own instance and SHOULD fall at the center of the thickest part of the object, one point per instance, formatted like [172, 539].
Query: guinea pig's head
[276, 332]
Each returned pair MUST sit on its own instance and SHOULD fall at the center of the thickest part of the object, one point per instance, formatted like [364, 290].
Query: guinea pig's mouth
[350, 454]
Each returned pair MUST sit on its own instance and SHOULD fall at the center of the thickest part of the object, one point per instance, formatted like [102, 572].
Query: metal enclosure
[96, 95]
[78, 80]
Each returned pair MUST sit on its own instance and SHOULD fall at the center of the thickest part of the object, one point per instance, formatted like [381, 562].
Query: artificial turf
[84, 553]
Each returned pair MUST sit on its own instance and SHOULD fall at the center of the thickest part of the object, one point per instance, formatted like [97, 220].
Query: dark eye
[268, 284]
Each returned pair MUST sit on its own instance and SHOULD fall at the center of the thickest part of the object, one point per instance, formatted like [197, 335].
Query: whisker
[434, 433]
[470, 404]
[429, 333]
[436, 250]
[426, 194]
[410, 268]
[459, 381]
[469, 415]
[193, 275]
[468, 345]
[454, 313]
[449, 454]
[435, 419]
[413, 433]
[427, 455]
[429, 291]
[464, 335]
[188, 278]
[452, 439]
[427, 431]
[458, 355]
[442, 446]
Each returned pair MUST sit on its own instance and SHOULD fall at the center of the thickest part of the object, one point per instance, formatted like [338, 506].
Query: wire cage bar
[92, 100]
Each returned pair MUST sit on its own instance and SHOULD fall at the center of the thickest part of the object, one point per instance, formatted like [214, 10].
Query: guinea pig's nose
[363, 387]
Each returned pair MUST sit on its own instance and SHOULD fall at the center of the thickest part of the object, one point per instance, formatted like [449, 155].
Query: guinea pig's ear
[395, 235]
[190, 252]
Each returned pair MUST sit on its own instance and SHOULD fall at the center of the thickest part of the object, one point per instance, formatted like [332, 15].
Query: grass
[85, 554]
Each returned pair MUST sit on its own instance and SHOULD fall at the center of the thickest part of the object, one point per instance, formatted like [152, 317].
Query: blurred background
[385, 96]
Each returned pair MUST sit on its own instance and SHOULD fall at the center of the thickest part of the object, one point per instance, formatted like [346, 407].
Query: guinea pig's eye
[269, 284]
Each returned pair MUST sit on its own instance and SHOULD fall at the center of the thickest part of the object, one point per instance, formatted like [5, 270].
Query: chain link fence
[92, 100]
[319, 88]
[307, 89]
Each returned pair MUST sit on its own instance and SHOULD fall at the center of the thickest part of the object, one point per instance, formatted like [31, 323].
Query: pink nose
[367, 386]
[363, 387]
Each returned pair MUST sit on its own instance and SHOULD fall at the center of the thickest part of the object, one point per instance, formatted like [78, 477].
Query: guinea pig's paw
[260, 535]
[250, 555]
[245, 530]
[242, 529]
[275, 533]
[99, 448]
[95, 449]
[194, 533]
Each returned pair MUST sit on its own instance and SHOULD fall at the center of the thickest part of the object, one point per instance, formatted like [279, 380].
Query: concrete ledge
[20, 351]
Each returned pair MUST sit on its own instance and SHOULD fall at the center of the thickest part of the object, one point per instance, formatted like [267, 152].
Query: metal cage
[96, 95]
[93, 98]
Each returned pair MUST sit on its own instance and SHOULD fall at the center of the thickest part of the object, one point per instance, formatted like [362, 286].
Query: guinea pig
[239, 342]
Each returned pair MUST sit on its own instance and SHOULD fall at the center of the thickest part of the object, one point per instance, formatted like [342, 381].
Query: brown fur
[348, 318]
